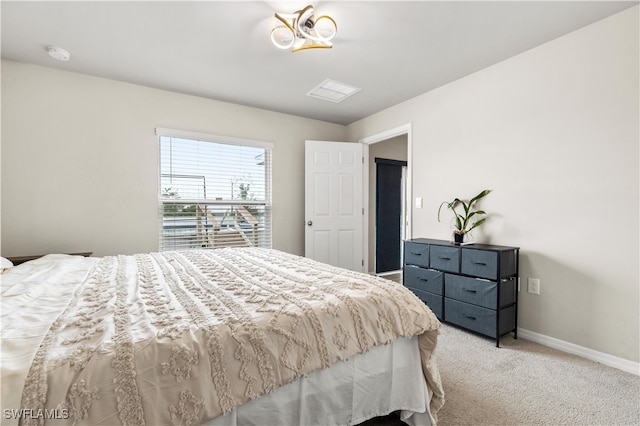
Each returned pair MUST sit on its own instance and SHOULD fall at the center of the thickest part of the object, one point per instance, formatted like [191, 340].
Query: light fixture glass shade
[325, 28]
[283, 37]
[304, 21]
[301, 30]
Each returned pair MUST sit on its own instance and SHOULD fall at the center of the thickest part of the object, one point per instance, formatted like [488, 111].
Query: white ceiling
[393, 50]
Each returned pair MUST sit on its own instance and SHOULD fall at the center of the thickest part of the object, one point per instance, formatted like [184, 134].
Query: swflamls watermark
[47, 414]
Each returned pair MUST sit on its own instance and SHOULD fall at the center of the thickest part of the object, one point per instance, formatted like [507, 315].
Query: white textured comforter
[182, 337]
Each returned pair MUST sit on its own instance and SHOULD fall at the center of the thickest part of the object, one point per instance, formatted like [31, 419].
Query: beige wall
[554, 133]
[80, 159]
[391, 149]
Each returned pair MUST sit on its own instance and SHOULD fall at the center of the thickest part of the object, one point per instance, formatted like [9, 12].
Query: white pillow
[5, 264]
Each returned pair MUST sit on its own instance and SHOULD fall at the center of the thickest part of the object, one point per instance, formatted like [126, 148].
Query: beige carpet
[524, 383]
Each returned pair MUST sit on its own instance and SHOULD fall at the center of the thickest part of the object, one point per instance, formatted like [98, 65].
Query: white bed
[73, 367]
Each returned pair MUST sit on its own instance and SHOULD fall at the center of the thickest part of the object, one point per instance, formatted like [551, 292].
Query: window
[214, 191]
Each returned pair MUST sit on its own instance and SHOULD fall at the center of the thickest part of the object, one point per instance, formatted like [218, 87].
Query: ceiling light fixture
[302, 30]
[59, 53]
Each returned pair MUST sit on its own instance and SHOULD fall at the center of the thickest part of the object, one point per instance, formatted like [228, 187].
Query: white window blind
[214, 191]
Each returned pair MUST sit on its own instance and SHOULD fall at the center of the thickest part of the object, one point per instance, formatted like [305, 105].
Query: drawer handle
[445, 258]
[480, 263]
[423, 279]
[416, 254]
[470, 291]
[470, 317]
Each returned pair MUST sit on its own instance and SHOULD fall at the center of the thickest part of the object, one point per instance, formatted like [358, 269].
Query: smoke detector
[59, 53]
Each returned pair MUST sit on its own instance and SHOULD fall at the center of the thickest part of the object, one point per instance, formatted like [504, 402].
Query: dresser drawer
[416, 254]
[484, 263]
[480, 263]
[433, 301]
[479, 319]
[479, 292]
[444, 258]
[423, 279]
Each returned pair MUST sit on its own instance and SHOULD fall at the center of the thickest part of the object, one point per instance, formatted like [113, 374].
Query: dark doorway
[389, 214]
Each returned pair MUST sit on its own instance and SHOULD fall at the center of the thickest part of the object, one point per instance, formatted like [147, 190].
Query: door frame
[378, 217]
[370, 140]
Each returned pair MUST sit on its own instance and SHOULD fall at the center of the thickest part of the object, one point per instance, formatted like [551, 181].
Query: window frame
[218, 139]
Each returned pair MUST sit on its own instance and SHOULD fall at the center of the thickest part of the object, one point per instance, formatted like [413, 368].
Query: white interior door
[334, 204]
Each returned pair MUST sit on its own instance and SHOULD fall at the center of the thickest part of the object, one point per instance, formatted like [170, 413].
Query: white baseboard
[590, 354]
[384, 274]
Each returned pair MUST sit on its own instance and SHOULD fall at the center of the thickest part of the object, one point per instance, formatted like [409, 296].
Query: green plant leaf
[476, 224]
[463, 220]
[439, 208]
[479, 196]
[475, 213]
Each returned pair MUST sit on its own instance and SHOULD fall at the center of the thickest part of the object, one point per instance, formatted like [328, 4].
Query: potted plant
[463, 220]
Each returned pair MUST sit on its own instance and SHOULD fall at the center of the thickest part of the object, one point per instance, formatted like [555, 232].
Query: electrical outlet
[533, 285]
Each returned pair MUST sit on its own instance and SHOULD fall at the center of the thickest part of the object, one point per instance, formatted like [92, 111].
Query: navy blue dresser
[472, 286]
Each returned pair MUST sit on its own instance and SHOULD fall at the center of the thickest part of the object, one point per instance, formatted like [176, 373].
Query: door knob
[309, 223]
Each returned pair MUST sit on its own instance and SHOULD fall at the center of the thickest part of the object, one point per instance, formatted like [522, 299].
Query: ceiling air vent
[332, 91]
